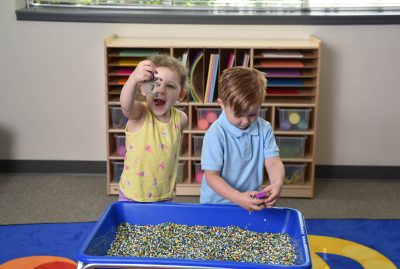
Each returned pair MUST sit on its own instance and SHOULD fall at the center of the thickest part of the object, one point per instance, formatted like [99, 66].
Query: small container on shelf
[294, 119]
[197, 144]
[179, 177]
[118, 119]
[120, 145]
[291, 146]
[118, 167]
[206, 116]
[294, 174]
[263, 112]
[198, 172]
[183, 151]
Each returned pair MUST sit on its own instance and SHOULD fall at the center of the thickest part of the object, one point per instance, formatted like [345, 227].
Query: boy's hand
[248, 201]
[274, 191]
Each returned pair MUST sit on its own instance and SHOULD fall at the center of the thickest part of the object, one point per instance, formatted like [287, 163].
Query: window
[215, 11]
[248, 5]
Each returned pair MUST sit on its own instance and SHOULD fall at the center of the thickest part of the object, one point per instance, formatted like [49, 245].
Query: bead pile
[170, 240]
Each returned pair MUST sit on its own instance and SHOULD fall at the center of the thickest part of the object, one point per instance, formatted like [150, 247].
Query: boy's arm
[276, 174]
[245, 200]
[130, 107]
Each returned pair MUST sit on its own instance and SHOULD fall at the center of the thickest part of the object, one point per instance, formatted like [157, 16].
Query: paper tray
[274, 220]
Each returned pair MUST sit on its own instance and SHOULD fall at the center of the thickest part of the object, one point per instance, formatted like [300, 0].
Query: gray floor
[77, 198]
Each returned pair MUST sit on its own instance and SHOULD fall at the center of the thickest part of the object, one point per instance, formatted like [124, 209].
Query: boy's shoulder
[264, 125]
[215, 132]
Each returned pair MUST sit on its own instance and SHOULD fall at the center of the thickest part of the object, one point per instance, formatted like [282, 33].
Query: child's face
[242, 121]
[166, 93]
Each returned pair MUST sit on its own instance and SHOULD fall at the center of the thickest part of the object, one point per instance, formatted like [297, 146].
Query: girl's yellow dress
[151, 160]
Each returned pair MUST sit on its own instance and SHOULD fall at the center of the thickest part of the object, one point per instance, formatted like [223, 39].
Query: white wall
[52, 96]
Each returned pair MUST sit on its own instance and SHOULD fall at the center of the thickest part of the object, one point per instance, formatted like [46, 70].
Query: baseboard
[47, 166]
[357, 172]
[99, 167]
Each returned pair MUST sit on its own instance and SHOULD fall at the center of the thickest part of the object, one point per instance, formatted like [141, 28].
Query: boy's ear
[221, 104]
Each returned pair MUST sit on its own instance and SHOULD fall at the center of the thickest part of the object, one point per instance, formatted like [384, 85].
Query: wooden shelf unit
[296, 87]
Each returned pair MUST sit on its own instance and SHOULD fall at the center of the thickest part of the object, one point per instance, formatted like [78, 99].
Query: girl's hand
[248, 201]
[274, 191]
[144, 71]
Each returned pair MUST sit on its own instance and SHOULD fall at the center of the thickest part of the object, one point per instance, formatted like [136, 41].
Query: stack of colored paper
[212, 78]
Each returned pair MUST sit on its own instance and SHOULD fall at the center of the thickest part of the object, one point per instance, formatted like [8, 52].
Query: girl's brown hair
[242, 89]
[173, 64]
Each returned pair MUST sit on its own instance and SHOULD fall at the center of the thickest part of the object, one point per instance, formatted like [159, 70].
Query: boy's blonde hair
[242, 89]
[172, 63]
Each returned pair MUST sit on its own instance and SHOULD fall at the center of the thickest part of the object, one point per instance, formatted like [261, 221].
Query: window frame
[150, 16]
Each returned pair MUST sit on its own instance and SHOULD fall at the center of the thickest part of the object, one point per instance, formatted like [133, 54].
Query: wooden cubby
[293, 83]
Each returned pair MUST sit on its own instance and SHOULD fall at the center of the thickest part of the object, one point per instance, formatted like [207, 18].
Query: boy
[238, 144]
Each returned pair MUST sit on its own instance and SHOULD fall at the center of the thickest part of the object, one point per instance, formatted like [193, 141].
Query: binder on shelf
[283, 91]
[128, 62]
[118, 81]
[193, 91]
[284, 82]
[124, 72]
[282, 54]
[139, 53]
[281, 73]
[231, 60]
[184, 58]
[246, 59]
[211, 78]
[281, 63]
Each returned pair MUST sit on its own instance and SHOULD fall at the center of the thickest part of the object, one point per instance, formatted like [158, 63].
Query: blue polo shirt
[238, 154]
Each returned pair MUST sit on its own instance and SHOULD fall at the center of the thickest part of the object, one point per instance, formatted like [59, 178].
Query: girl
[154, 130]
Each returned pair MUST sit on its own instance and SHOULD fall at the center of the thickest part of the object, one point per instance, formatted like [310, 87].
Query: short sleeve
[212, 153]
[271, 149]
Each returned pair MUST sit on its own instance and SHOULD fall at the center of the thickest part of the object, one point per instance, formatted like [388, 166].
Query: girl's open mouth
[159, 102]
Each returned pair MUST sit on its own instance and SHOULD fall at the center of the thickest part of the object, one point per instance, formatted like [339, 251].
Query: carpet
[334, 244]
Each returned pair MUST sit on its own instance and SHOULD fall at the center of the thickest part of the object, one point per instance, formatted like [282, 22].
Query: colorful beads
[231, 243]
[211, 116]
[303, 125]
[121, 150]
[203, 124]
[294, 118]
[199, 176]
[285, 125]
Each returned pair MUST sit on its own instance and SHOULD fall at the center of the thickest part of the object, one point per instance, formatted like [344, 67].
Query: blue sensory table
[274, 220]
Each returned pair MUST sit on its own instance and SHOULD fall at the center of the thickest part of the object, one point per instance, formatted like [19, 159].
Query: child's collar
[237, 132]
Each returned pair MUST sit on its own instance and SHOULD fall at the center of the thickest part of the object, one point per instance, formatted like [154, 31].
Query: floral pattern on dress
[164, 147]
[140, 174]
[130, 147]
[148, 149]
